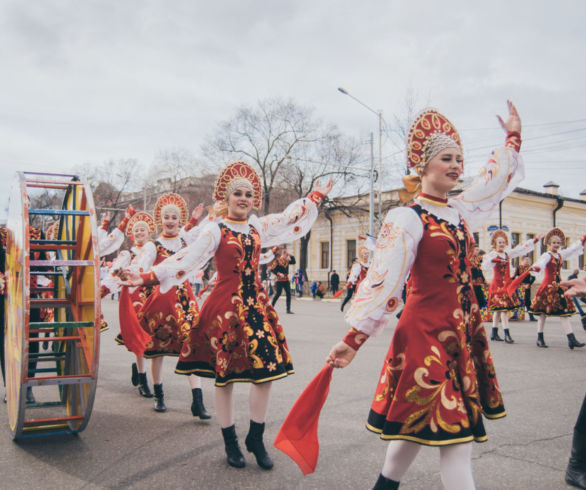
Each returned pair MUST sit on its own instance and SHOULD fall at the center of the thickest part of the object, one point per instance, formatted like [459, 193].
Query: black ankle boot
[197, 407]
[541, 341]
[495, 335]
[573, 341]
[255, 445]
[508, 338]
[30, 398]
[159, 399]
[143, 386]
[234, 455]
[576, 471]
[384, 483]
[134, 377]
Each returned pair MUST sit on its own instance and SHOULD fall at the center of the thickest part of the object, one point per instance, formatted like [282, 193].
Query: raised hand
[197, 212]
[513, 123]
[324, 189]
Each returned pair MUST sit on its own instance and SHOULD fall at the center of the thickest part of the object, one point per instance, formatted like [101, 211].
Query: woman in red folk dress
[239, 337]
[357, 273]
[550, 299]
[168, 315]
[500, 304]
[139, 258]
[438, 377]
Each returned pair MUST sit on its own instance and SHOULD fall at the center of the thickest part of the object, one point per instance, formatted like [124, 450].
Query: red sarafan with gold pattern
[498, 298]
[167, 317]
[550, 299]
[239, 336]
[438, 377]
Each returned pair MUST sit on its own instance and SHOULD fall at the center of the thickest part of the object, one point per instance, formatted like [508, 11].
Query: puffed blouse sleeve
[495, 181]
[354, 273]
[267, 257]
[291, 224]
[190, 232]
[574, 250]
[541, 263]
[176, 268]
[143, 262]
[487, 261]
[109, 243]
[522, 249]
[395, 253]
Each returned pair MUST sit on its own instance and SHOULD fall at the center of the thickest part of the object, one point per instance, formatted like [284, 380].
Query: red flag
[338, 293]
[297, 437]
[134, 336]
[516, 283]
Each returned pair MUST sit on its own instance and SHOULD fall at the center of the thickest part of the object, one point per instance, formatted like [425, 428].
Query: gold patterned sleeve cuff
[316, 197]
[354, 338]
[191, 223]
[514, 141]
[122, 225]
[149, 278]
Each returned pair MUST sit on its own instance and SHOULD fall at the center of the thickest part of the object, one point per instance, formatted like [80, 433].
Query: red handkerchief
[297, 437]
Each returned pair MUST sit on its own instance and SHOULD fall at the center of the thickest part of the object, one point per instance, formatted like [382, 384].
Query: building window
[325, 255]
[476, 238]
[515, 239]
[531, 255]
[581, 262]
[350, 252]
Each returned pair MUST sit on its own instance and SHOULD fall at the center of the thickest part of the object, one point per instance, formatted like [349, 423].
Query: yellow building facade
[524, 214]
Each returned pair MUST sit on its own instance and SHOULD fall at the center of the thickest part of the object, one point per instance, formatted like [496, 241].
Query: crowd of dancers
[438, 379]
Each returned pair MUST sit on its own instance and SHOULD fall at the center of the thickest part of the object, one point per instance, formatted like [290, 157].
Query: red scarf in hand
[297, 437]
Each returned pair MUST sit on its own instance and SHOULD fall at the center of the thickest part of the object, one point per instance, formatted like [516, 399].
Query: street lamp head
[344, 91]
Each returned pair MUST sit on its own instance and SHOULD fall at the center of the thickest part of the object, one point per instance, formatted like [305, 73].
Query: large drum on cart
[52, 309]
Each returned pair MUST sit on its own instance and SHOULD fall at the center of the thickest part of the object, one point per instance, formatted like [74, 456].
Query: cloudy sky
[88, 81]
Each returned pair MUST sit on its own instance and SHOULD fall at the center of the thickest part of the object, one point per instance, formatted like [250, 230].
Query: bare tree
[110, 181]
[265, 136]
[331, 156]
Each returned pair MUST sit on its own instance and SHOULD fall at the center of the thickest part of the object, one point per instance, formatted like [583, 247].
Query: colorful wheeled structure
[66, 272]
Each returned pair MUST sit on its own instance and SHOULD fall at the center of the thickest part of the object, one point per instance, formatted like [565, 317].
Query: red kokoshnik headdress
[170, 199]
[499, 234]
[429, 134]
[230, 175]
[141, 217]
[555, 232]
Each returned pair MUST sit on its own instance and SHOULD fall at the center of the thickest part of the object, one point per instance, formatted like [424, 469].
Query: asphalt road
[128, 445]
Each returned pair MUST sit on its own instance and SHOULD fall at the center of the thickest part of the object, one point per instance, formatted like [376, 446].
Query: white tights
[564, 320]
[503, 316]
[455, 463]
[157, 372]
[258, 402]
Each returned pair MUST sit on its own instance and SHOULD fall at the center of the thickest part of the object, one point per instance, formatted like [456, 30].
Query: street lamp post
[379, 115]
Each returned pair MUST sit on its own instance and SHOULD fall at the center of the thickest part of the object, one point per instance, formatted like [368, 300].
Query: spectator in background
[301, 278]
[320, 290]
[313, 289]
[335, 281]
